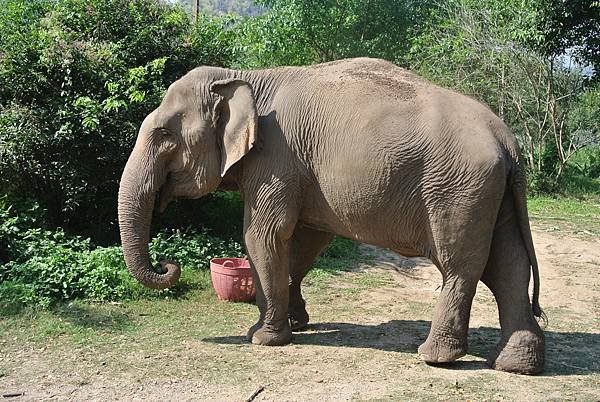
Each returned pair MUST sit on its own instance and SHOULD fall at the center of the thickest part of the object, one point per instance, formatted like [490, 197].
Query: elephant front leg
[269, 259]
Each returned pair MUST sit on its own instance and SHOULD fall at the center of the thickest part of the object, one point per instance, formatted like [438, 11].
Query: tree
[573, 26]
[310, 31]
[487, 49]
[77, 77]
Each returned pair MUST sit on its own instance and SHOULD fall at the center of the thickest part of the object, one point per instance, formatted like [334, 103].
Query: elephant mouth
[176, 187]
[165, 196]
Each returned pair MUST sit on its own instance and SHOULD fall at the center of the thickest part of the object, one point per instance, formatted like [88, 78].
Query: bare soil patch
[361, 345]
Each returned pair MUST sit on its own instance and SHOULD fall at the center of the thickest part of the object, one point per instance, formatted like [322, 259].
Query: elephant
[358, 148]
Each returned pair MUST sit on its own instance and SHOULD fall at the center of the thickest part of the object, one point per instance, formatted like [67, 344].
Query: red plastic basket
[232, 279]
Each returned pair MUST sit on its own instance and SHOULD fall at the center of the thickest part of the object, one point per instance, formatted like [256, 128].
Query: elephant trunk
[136, 203]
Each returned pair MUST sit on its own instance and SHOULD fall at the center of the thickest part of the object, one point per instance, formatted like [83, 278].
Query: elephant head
[184, 148]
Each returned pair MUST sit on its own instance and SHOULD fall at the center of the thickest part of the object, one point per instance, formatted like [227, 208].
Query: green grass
[95, 325]
[342, 255]
[569, 215]
[581, 179]
[193, 307]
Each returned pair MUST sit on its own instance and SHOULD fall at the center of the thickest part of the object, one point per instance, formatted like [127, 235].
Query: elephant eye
[163, 132]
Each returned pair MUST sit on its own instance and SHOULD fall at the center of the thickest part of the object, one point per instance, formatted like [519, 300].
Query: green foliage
[13, 220]
[42, 267]
[584, 120]
[574, 26]
[489, 50]
[340, 256]
[540, 183]
[587, 162]
[192, 249]
[582, 178]
[273, 40]
[301, 32]
[45, 266]
[462, 44]
[77, 77]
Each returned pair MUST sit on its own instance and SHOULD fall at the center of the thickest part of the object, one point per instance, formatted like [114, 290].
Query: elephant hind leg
[306, 245]
[522, 347]
[447, 339]
[460, 251]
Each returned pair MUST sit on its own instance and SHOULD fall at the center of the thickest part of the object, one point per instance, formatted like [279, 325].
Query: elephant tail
[518, 186]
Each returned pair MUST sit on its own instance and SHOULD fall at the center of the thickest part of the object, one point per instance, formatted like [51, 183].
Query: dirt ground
[361, 345]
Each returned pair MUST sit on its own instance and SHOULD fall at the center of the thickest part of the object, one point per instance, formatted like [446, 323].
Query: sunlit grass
[579, 217]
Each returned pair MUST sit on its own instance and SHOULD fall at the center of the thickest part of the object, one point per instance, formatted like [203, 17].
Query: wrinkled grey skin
[358, 148]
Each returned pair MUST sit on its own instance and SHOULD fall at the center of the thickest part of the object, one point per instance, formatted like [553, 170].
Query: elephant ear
[235, 115]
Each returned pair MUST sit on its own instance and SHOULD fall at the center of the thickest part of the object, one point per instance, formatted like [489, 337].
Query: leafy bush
[41, 267]
[582, 178]
[42, 279]
[587, 162]
[220, 211]
[21, 238]
[78, 271]
[77, 77]
[192, 249]
[11, 224]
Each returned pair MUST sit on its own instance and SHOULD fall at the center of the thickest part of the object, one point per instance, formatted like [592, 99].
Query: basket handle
[228, 264]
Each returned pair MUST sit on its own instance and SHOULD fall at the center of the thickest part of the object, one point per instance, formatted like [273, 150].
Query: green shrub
[11, 225]
[21, 238]
[222, 212]
[192, 249]
[77, 77]
[582, 177]
[56, 267]
[104, 275]
[539, 183]
[586, 162]
[44, 279]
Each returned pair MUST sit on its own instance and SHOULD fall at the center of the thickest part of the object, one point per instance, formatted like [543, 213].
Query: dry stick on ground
[255, 393]
[13, 394]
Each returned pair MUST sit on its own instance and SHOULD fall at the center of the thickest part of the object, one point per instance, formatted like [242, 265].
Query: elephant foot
[442, 350]
[253, 329]
[271, 336]
[298, 320]
[523, 353]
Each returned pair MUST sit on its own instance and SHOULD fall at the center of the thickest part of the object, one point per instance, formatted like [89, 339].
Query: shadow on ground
[567, 353]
